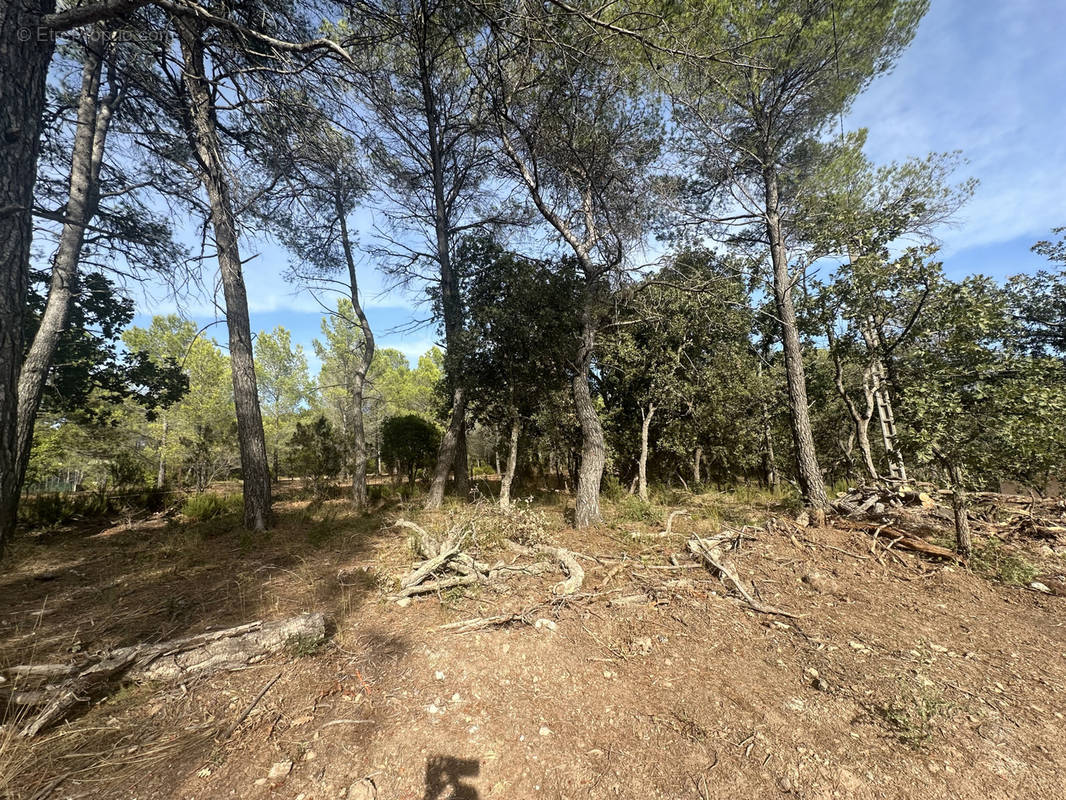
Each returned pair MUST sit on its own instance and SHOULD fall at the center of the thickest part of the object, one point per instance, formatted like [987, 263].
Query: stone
[404, 602]
[279, 770]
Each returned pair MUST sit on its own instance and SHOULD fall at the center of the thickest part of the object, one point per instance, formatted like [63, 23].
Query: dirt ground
[903, 677]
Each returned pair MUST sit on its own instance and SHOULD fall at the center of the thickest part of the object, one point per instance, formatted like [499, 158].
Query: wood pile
[446, 564]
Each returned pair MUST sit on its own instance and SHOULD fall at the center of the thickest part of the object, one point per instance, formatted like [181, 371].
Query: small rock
[279, 770]
[784, 783]
[438, 675]
[545, 730]
[404, 602]
[543, 624]
[1039, 587]
[821, 684]
[363, 790]
[818, 582]
[457, 698]
[433, 709]
[803, 519]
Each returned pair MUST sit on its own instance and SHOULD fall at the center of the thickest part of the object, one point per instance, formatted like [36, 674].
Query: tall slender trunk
[23, 75]
[451, 305]
[359, 492]
[161, 473]
[860, 419]
[203, 136]
[697, 466]
[593, 451]
[883, 403]
[507, 478]
[93, 120]
[812, 485]
[642, 465]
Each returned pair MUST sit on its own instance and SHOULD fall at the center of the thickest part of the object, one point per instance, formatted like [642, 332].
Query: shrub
[56, 508]
[611, 487]
[202, 507]
[410, 442]
[317, 455]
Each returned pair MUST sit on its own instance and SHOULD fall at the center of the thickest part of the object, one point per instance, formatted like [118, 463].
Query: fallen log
[901, 539]
[61, 687]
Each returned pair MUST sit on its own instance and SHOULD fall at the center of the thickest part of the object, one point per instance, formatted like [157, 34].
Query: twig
[248, 709]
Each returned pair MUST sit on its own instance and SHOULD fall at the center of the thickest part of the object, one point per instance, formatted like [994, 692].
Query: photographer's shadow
[445, 776]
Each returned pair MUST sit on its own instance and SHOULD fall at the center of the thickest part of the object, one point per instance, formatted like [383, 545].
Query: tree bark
[507, 478]
[359, 492]
[642, 465]
[451, 305]
[161, 473]
[959, 503]
[697, 466]
[593, 451]
[860, 419]
[812, 485]
[24, 58]
[883, 402]
[461, 467]
[203, 136]
[93, 120]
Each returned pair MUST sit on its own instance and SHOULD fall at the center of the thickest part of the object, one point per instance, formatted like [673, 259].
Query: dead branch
[168, 661]
[710, 553]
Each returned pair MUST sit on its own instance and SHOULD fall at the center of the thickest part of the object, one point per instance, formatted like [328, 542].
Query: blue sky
[985, 77]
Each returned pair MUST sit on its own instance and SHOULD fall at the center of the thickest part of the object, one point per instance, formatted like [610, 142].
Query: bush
[317, 455]
[56, 508]
[611, 487]
[202, 507]
[633, 509]
[410, 442]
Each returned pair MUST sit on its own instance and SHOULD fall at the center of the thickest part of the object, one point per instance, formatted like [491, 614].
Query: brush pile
[448, 562]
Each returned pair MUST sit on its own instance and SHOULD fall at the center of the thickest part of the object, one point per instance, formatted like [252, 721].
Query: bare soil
[904, 677]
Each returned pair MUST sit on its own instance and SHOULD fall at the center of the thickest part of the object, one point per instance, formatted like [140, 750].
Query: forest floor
[903, 676]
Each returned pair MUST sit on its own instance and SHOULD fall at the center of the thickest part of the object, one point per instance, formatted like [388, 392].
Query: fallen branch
[902, 539]
[713, 556]
[248, 709]
[168, 661]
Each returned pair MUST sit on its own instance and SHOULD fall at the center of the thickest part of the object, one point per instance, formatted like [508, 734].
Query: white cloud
[984, 78]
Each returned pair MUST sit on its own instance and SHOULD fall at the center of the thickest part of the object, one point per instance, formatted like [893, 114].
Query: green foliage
[317, 453]
[409, 442]
[208, 506]
[91, 373]
[997, 562]
[281, 375]
[49, 509]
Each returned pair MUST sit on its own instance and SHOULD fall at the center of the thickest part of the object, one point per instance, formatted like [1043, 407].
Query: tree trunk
[642, 465]
[461, 467]
[451, 305]
[23, 75]
[512, 461]
[812, 485]
[446, 453]
[161, 473]
[93, 120]
[697, 464]
[203, 136]
[359, 455]
[860, 420]
[593, 455]
[959, 503]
